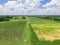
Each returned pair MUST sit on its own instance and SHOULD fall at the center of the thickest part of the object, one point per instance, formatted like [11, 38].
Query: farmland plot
[11, 32]
[47, 31]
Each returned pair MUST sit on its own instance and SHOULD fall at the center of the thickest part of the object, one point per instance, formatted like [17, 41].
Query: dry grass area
[47, 31]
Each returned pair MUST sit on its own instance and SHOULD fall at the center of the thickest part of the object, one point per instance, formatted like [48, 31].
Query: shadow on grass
[36, 41]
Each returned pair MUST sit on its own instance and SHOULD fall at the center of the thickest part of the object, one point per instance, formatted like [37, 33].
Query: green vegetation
[11, 32]
[47, 31]
[29, 31]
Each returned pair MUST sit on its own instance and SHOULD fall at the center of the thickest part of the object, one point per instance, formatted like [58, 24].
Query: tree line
[57, 18]
[7, 18]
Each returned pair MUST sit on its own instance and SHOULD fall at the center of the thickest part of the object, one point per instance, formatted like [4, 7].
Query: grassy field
[11, 32]
[47, 31]
[35, 31]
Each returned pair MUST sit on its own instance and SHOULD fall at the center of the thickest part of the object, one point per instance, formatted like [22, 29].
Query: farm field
[47, 31]
[11, 32]
[32, 31]
[17, 33]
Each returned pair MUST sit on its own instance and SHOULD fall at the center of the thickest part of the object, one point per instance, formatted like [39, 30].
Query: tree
[5, 18]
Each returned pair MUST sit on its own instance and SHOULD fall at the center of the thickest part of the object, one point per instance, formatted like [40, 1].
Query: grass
[34, 32]
[11, 32]
[35, 20]
[29, 37]
[48, 31]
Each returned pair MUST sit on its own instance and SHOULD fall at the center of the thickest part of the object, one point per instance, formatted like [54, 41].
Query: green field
[11, 32]
[47, 31]
[33, 31]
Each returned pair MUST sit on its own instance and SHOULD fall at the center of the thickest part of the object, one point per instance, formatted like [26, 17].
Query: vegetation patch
[47, 31]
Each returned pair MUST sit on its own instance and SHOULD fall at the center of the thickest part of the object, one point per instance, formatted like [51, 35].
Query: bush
[23, 17]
